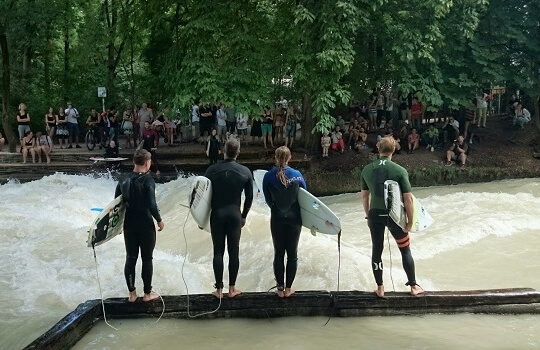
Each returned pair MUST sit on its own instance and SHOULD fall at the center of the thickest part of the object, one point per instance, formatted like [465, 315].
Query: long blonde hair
[282, 156]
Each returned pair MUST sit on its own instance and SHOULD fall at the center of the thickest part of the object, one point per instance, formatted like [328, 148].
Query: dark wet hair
[141, 156]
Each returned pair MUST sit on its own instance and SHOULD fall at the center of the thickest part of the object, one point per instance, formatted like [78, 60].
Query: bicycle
[91, 139]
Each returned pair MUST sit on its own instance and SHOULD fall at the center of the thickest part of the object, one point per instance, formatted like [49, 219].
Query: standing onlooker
[290, 126]
[268, 121]
[213, 148]
[92, 122]
[256, 129]
[43, 145]
[241, 125]
[127, 125]
[231, 120]
[61, 128]
[23, 122]
[195, 120]
[450, 130]
[481, 110]
[150, 140]
[114, 130]
[50, 124]
[73, 125]
[28, 144]
[170, 127]
[136, 125]
[206, 121]
[403, 108]
[417, 110]
[280, 187]
[221, 123]
[145, 115]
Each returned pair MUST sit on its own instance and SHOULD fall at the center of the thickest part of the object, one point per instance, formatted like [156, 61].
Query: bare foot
[280, 292]
[218, 293]
[132, 296]
[416, 290]
[233, 292]
[151, 296]
[288, 292]
[380, 291]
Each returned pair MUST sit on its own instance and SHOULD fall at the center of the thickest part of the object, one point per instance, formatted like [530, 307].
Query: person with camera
[458, 152]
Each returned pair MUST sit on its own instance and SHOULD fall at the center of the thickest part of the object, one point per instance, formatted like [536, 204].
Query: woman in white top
[522, 116]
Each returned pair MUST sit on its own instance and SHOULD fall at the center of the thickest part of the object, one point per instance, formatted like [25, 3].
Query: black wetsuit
[229, 179]
[138, 192]
[285, 221]
[373, 177]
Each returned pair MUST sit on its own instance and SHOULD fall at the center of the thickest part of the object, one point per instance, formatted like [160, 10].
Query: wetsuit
[373, 177]
[138, 192]
[213, 149]
[229, 179]
[150, 139]
[285, 221]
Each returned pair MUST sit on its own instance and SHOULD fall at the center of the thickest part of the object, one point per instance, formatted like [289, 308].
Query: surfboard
[316, 216]
[394, 202]
[200, 201]
[108, 224]
[101, 159]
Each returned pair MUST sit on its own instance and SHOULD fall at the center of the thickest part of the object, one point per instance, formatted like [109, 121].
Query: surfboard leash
[336, 296]
[182, 272]
[100, 290]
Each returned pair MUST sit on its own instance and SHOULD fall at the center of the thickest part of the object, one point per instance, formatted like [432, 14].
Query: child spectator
[43, 145]
[213, 147]
[325, 143]
[413, 140]
[337, 140]
[431, 135]
[522, 116]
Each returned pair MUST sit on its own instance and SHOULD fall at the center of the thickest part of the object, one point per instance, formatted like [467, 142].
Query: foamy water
[484, 236]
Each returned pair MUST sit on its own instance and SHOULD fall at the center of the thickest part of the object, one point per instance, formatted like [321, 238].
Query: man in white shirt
[481, 110]
[221, 117]
[73, 125]
[195, 118]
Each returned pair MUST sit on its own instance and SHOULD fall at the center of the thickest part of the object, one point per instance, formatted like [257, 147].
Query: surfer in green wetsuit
[372, 184]
[138, 192]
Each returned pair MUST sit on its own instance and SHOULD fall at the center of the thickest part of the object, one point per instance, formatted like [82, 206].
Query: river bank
[498, 152]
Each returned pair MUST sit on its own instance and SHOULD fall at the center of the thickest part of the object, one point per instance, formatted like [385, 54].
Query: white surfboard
[101, 159]
[394, 202]
[316, 216]
[109, 223]
[200, 201]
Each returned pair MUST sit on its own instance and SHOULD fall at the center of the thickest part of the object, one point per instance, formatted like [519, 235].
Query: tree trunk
[6, 84]
[536, 102]
[66, 51]
[307, 122]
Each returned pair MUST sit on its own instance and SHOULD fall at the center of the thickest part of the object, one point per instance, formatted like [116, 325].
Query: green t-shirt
[376, 173]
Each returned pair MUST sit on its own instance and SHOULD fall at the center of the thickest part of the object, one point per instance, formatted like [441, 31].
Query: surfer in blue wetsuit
[229, 179]
[280, 188]
[139, 195]
[372, 184]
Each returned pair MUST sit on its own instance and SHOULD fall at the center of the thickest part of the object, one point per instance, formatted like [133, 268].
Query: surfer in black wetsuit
[228, 179]
[280, 188]
[372, 183]
[138, 191]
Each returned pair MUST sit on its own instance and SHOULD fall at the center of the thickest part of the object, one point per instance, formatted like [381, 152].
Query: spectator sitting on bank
[43, 145]
[352, 132]
[325, 144]
[450, 130]
[431, 135]
[28, 142]
[457, 151]
[111, 151]
[337, 140]
[380, 135]
[2, 141]
[413, 141]
[396, 134]
[522, 116]
[403, 129]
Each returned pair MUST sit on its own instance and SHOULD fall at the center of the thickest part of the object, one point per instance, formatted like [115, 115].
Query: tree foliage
[318, 53]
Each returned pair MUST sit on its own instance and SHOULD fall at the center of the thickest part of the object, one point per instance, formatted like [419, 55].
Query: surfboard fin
[313, 231]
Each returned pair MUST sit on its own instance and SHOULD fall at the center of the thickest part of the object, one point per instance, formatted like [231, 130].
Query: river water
[484, 236]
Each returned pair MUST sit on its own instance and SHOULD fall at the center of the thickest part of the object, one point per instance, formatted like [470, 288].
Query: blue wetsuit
[285, 220]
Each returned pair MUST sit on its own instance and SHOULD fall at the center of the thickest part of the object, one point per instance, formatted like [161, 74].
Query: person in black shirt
[139, 195]
[228, 179]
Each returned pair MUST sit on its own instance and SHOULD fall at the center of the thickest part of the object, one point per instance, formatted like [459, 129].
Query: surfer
[139, 195]
[372, 184]
[280, 188]
[228, 179]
